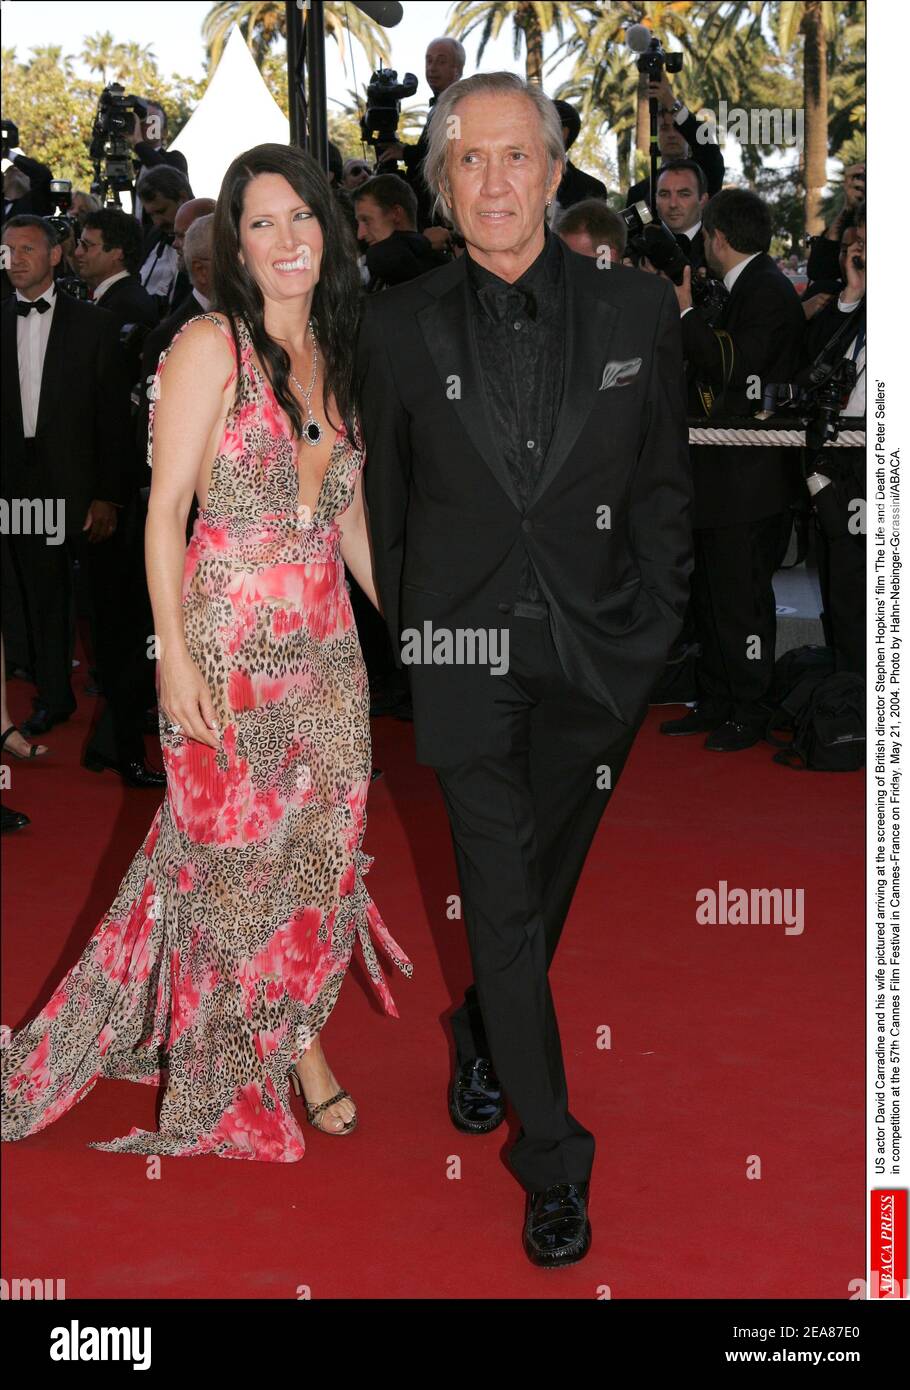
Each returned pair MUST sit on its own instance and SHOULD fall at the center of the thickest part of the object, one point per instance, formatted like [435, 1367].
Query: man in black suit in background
[742, 494]
[107, 256]
[528, 491]
[682, 193]
[576, 185]
[66, 444]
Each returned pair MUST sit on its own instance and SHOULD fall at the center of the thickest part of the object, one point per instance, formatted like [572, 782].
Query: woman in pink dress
[221, 957]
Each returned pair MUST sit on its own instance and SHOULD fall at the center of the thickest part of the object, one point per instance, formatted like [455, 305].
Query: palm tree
[530, 23]
[100, 52]
[262, 24]
[816, 22]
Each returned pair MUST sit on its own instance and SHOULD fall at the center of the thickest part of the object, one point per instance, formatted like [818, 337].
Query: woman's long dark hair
[336, 298]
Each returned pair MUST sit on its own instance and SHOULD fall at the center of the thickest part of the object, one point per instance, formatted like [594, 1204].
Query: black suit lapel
[590, 325]
[446, 328]
[11, 394]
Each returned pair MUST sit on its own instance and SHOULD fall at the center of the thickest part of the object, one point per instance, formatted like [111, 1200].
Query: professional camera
[379, 125]
[665, 253]
[61, 191]
[109, 144]
[820, 404]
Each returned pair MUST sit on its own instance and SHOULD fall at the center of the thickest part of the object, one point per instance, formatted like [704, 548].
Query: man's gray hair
[457, 48]
[499, 84]
[198, 240]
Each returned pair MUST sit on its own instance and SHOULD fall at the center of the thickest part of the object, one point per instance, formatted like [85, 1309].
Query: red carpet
[728, 1043]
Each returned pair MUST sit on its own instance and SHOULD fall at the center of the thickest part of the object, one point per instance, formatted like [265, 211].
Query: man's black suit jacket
[577, 185]
[83, 433]
[130, 304]
[766, 323]
[449, 532]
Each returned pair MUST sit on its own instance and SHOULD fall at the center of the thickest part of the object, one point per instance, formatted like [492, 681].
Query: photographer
[591, 228]
[386, 210]
[26, 182]
[824, 250]
[445, 60]
[162, 191]
[147, 139]
[742, 494]
[575, 184]
[680, 135]
[837, 484]
[818, 294]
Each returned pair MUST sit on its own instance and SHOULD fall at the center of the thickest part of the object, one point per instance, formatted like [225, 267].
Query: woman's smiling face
[281, 239]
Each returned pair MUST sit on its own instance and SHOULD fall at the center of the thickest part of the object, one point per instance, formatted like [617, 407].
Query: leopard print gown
[223, 952]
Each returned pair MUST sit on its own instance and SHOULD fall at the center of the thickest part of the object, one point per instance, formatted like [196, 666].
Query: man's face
[373, 222]
[281, 239]
[93, 263]
[161, 210]
[678, 201]
[670, 139]
[442, 66]
[496, 174]
[31, 259]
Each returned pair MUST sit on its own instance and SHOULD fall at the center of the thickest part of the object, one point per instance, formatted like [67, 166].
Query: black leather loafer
[476, 1102]
[557, 1231]
[134, 771]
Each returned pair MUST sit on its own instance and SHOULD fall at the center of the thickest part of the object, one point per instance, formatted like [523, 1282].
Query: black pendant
[312, 432]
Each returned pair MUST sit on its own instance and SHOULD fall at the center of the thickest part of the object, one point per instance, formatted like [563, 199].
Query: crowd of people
[77, 427]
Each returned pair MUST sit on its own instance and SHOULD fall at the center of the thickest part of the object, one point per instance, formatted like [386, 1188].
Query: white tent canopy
[236, 112]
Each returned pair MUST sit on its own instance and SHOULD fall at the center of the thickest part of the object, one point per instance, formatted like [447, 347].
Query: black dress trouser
[44, 575]
[735, 616]
[522, 821]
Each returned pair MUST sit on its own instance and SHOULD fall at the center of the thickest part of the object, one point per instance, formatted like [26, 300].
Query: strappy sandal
[314, 1111]
[23, 757]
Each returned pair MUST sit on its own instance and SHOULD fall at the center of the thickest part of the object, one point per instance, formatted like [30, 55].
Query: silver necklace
[312, 430]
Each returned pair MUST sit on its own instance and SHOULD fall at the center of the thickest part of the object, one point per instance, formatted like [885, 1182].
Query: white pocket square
[619, 373]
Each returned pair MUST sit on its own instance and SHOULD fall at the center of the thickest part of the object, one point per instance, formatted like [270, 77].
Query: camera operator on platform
[680, 135]
[445, 60]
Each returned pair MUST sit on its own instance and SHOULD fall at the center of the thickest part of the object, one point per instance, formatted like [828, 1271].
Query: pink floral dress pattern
[223, 952]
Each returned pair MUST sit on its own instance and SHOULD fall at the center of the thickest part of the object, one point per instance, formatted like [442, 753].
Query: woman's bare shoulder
[202, 346]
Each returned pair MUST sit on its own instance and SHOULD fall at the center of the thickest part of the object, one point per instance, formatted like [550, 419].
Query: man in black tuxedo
[682, 192]
[65, 448]
[742, 494]
[528, 492]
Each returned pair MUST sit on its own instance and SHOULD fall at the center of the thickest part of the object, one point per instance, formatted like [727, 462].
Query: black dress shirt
[519, 339]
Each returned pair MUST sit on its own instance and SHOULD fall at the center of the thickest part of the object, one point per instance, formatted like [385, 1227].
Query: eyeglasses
[88, 245]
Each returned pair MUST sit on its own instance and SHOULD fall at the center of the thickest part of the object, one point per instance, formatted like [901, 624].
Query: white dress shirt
[158, 273]
[733, 275]
[856, 405]
[106, 284]
[32, 332]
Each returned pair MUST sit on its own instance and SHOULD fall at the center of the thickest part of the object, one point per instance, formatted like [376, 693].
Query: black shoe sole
[562, 1261]
[469, 1126]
